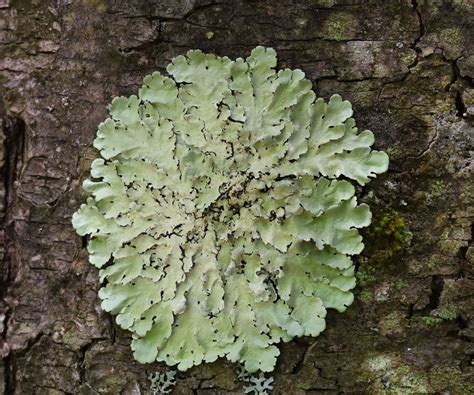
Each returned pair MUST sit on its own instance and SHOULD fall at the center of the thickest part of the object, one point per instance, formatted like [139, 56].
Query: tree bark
[408, 69]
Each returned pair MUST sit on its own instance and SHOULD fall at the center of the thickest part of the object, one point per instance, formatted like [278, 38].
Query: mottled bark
[408, 69]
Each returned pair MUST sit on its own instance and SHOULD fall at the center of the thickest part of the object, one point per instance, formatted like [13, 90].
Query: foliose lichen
[216, 215]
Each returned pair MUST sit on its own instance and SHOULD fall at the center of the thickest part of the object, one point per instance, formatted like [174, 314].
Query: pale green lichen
[389, 374]
[340, 26]
[215, 215]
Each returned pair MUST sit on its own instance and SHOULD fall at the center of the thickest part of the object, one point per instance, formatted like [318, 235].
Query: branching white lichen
[162, 383]
[257, 384]
[216, 217]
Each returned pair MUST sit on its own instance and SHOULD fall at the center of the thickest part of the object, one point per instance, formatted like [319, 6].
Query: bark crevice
[13, 129]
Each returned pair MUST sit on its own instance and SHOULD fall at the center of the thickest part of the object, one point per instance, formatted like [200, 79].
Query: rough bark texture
[407, 67]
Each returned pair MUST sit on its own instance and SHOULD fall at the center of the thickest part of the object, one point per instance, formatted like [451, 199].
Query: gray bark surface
[408, 69]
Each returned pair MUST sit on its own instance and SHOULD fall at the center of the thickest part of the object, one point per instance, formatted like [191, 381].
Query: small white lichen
[259, 385]
[255, 383]
[162, 383]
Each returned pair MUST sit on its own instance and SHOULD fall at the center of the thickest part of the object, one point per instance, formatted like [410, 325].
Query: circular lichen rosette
[216, 215]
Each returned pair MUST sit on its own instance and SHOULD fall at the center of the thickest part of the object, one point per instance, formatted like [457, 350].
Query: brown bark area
[407, 67]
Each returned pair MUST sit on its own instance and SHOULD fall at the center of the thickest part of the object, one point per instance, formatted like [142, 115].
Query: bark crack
[414, 45]
[13, 147]
[461, 109]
